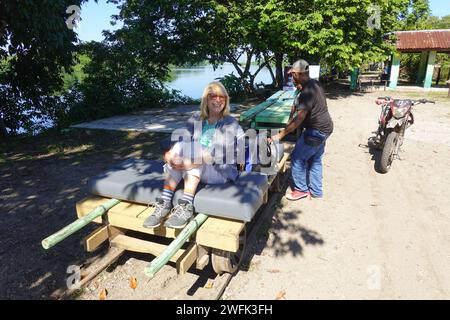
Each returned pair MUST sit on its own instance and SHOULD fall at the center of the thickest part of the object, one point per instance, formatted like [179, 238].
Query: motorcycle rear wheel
[387, 155]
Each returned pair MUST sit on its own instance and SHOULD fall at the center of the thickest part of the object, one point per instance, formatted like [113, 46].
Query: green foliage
[37, 45]
[409, 66]
[116, 82]
[234, 86]
[77, 75]
[331, 32]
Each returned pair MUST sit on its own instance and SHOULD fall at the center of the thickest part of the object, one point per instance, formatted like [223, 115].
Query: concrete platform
[152, 120]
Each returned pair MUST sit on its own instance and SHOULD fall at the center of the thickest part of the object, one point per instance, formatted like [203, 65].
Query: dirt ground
[373, 236]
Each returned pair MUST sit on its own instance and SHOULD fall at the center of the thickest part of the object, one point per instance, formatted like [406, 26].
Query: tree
[116, 81]
[35, 47]
[331, 32]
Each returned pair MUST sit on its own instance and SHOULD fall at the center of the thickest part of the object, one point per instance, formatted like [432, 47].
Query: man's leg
[315, 173]
[299, 166]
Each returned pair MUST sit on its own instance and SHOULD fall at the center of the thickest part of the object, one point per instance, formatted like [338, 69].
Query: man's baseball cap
[299, 66]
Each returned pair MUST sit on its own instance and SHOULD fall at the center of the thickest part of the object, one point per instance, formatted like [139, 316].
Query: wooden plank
[277, 113]
[96, 238]
[288, 95]
[130, 223]
[251, 113]
[276, 95]
[97, 266]
[220, 233]
[138, 245]
[126, 215]
[126, 208]
[87, 204]
[187, 259]
[202, 257]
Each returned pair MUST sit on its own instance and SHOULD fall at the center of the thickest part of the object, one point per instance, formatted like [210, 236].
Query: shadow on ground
[282, 232]
[42, 178]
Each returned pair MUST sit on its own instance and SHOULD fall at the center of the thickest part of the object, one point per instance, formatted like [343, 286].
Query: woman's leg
[174, 177]
[163, 205]
[184, 211]
[170, 184]
[190, 186]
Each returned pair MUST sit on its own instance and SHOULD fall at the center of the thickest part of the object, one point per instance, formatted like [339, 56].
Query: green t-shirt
[208, 131]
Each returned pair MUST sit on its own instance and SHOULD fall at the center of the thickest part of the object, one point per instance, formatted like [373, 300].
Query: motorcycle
[396, 116]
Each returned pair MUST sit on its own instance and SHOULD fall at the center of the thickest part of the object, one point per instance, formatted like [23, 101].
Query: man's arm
[292, 112]
[291, 126]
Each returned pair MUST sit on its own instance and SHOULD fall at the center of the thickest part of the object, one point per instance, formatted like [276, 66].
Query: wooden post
[438, 75]
[429, 70]
[395, 70]
[78, 224]
[422, 67]
[354, 78]
[448, 82]
[176, 244]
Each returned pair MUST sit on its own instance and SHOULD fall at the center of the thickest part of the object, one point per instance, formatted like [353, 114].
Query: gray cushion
[135, 180]
[141, 181]
[236, 200]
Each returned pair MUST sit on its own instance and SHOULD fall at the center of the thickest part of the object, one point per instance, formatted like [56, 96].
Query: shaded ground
[41, 180]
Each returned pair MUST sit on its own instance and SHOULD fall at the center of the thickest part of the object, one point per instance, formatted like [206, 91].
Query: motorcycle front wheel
[387, 155]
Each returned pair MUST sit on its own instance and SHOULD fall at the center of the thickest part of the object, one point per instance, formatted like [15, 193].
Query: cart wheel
[226, 261]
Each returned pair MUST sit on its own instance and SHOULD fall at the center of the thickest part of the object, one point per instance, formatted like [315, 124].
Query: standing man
[312, 111]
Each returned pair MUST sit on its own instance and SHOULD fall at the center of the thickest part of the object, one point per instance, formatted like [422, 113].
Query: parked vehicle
[395, 117]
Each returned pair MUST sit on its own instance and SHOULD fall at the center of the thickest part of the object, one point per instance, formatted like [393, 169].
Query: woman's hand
[174, 160]
[167, 157]
[177, 162]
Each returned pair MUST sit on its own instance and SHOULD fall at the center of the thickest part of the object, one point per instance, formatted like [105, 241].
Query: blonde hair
[212, 88]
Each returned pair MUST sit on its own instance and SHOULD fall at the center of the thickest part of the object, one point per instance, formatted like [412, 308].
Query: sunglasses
[214, 96]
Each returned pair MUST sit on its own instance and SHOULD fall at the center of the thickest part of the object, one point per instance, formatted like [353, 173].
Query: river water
[192, 81]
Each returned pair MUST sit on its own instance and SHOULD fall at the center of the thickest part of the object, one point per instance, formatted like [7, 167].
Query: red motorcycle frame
[395, 117]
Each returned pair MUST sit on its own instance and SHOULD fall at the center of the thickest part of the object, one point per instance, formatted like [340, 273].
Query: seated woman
[215, 132]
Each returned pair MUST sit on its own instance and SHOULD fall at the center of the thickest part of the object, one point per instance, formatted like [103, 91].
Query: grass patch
[431, 95]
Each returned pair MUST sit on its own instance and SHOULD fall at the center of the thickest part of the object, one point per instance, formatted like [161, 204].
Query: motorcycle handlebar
[423, 101]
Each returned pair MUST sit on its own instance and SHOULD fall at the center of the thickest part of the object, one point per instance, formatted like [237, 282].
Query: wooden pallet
[215, 232]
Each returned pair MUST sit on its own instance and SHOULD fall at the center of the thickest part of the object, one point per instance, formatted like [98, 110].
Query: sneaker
[162, 208]
[297, 195]
[181, 215]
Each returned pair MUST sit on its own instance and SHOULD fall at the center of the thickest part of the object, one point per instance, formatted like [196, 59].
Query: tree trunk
[241, 74]
[3, 132]
[438, 75]
[253, 76]
[267, 60]
[279, 70]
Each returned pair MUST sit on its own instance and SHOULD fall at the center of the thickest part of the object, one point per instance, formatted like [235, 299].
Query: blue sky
[97, 16]
[440, 8]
